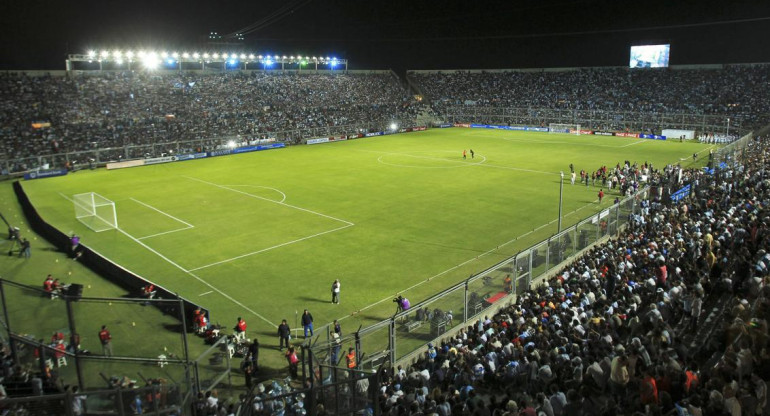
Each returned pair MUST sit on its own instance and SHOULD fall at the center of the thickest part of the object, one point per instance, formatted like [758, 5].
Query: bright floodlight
[129, 54]
[233, 62]
[116, 54]
[91, 54]
[393, 126]
[185, 55]
[327, 58]
[251, 56]
[259, 56]
[105, 54]
[231, 144]
[206, 55]
[215, 56]
[150, 61]
[164, 55]
[170, 61]
[243, 56]
[175, 55]
[119, 61]
[196, 55]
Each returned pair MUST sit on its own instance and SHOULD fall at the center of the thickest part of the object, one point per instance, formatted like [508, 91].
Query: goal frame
[91, 210]
[564, 128]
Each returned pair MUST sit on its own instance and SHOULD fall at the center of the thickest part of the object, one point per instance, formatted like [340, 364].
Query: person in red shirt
[148, 291]
[60, 348]
[240, 329]
[649, 389]
[106, 338]
[601, 195]
[48, 285]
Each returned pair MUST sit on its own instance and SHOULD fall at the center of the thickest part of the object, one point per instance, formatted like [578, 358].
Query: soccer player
[473, 155]
[601, 195]
[465, 153]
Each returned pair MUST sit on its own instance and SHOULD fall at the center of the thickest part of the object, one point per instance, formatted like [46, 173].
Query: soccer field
[263, 235]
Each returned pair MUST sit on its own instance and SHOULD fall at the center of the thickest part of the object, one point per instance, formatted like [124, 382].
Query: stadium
[214, 225]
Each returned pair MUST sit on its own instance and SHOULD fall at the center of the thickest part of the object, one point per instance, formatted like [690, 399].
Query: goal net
[564, 128]
[95, 211]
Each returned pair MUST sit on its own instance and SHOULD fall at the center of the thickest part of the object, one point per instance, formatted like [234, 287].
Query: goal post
[564, 128]
[95, 211]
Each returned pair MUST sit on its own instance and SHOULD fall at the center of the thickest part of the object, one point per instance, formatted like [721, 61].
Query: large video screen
[649, 56]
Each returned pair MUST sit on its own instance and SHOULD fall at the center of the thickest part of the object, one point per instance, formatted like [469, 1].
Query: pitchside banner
[45, 174]
[156, 160]
[191, 156]
[511, 128]
[652, 136]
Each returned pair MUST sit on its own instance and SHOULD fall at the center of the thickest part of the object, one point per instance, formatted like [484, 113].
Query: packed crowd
[729, 92]
[120, 109]
[623, 330]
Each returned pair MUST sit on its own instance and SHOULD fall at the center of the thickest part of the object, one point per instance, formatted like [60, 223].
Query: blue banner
[378, 133]
[652, 136]
[443, 126]
[45, 174]
[220, 152]
[510, 128]
[246, 149]
[681, 194]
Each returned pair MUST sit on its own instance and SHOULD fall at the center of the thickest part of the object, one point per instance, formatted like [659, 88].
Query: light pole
[561, 193]
[728, 130]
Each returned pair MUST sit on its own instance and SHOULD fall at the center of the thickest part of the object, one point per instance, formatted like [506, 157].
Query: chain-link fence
[406, 333]
[56, 340]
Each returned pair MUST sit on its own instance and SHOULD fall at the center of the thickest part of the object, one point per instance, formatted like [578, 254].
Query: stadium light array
[151, 59]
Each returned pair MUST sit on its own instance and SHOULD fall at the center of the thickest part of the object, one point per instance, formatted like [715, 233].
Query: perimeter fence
[54, 337]
[407, 332]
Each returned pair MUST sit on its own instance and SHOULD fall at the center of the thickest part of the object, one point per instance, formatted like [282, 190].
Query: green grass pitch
[263, 235]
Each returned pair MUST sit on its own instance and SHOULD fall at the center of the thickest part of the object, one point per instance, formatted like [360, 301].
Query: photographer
[402, 303]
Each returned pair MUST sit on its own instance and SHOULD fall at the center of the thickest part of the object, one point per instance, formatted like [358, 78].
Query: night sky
[397, 34]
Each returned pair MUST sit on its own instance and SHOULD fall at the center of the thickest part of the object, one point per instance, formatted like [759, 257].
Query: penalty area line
[196, 277]
[270, 248]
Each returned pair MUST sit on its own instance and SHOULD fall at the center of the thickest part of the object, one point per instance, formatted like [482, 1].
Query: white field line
[462, 164]
[270, 248]
[270, 200]
[347, 224]
[164, 213]
[636, 142]
[188, 225]
[206, 293]
[171, 262]
[164, 233]
[481, 163]
[283, 195]
[461, 264]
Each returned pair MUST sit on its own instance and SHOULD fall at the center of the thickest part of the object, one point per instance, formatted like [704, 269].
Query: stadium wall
[116, 274]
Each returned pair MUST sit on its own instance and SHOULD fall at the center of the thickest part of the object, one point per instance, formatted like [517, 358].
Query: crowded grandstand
[667, 315]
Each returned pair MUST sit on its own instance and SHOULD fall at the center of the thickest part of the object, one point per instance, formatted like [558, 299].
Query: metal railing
[408, 331]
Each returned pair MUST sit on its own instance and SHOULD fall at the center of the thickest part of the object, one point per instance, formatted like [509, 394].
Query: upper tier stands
[739, 92]
[120, 109]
